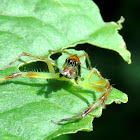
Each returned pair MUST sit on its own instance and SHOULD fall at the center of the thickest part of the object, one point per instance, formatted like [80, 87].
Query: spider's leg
[101, 85]
[88, 60]
[49, 63]
[96, 86]
[43, 75]
[97, 73]
[14, 75]
[60, 51]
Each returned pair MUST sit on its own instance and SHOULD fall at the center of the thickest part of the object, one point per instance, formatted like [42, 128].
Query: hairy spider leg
[40, 75]
[48, 62]
[83, 55]
[44, 75]
[96, 86]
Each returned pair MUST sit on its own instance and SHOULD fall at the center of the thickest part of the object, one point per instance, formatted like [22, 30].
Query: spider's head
[72, 68]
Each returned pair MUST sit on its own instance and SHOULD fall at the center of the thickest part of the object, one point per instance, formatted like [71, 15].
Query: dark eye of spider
[69, 61]
[74, 63]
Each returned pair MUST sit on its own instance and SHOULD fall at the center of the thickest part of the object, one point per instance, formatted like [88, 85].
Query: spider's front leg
[46, 60]
[41, 75]
[44, 75]
[101, 85]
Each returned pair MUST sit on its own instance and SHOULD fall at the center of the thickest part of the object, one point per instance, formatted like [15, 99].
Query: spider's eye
[69, 61]
[75, 63]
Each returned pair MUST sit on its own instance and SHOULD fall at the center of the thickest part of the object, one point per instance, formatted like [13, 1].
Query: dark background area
[118, 121]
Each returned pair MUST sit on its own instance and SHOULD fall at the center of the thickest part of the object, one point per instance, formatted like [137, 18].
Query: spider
[71, 71]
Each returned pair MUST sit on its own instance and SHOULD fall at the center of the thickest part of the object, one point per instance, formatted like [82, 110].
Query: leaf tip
[120, 21]
[125, 98]
[125, 53]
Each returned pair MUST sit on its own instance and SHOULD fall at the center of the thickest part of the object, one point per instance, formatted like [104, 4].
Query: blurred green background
[118, 121]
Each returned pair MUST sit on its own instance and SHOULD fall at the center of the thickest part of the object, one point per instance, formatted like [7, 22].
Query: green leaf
[28, 105]
[107, 37]
[37, 26]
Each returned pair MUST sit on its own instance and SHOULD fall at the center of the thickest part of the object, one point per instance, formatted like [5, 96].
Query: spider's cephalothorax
[71, 68]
